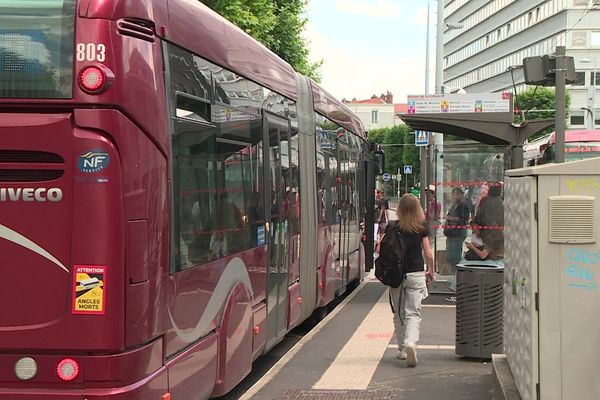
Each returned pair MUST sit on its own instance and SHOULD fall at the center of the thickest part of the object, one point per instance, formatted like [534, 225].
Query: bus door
[343, 204]
[276, 131]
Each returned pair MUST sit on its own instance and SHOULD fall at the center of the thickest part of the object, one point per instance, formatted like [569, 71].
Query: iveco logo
[93, 161]
[31, 194]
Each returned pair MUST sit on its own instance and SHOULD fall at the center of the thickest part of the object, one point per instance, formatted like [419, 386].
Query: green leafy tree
[411, 154]
[255, 17]
[537, 103]
[394, 138]
[278, 24]
[287, 34]
[377, 135]
[399, 145]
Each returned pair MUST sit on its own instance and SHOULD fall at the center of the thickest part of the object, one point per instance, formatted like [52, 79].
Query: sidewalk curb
[503, 378]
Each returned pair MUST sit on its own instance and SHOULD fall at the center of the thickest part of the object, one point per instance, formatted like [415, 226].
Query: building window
[579, 78]
[597, 83]
[374, 117]
[579, 39]
[507, 29]
[580, 2]
[487, 40]
[530, 17]
[577, 119]
[595, 39]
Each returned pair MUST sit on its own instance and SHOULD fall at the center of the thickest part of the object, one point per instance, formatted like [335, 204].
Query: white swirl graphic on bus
[234, 273]
[16, 238]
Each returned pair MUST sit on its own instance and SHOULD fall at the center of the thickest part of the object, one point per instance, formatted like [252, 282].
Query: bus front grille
[30, 166]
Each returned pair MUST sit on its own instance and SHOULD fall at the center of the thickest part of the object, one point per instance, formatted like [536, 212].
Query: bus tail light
[95, 79]
[67, 369]
[26, 368]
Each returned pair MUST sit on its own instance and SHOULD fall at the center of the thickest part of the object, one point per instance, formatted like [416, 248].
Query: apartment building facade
[378, 111]
[484, 40]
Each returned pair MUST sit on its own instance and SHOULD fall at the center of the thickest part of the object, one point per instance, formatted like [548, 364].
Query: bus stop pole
[517, 156]
[560, 123]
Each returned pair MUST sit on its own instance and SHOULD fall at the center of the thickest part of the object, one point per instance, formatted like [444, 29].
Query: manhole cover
[337, 395]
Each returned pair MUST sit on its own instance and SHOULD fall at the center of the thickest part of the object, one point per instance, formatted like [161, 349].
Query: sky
[370, 46]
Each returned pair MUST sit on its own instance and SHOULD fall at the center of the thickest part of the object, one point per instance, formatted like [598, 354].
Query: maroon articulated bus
[174, 199]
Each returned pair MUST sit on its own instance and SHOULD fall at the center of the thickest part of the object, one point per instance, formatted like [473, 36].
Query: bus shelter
[468, 176]
[462, 179]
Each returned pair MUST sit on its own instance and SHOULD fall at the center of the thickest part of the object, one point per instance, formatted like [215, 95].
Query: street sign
[421, 138]
[408, 169]
[387, 177]
[459, 103]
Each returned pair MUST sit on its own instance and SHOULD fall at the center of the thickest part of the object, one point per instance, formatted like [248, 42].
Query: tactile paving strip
[338, 395]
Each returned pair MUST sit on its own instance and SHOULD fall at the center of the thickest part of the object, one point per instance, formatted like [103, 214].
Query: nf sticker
[93, 161]
[89, 289]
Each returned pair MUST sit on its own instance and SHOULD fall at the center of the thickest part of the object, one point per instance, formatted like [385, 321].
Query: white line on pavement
[355, 364]
[438, 306]
[428, 347]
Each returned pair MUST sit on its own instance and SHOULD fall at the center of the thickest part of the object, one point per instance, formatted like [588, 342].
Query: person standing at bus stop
[382, 217]
[433, 213]
[456, 232]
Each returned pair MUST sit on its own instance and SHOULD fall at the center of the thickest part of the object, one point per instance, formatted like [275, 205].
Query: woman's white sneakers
[401, 355]
[411, 355]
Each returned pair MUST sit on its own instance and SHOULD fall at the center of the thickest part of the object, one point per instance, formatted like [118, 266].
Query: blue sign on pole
[421, 138]
[408, 169]
[387, 177]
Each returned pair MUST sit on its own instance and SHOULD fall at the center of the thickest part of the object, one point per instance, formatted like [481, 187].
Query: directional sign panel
[408, 169]
[459, 103]
[387, 177]
[421, 138]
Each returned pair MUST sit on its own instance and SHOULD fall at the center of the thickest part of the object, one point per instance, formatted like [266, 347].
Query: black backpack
[390, 266]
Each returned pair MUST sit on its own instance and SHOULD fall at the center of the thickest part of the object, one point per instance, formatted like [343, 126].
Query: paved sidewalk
[351, 355]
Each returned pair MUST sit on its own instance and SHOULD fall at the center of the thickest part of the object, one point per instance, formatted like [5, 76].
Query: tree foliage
[537, 103]
[278, 24]
[399, 146]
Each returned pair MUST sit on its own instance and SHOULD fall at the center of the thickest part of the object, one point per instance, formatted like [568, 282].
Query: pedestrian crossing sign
[421, 138]
[408, 169]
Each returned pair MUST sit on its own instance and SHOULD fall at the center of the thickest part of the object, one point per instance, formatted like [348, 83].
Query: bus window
[36, 48]
[195, 202]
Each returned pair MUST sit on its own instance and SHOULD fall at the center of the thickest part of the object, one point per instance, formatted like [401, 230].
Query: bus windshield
[36, 48]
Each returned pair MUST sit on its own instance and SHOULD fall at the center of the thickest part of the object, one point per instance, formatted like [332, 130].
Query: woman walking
[406, 300]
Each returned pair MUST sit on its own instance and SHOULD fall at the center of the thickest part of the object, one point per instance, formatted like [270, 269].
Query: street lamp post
[591, 107]
[425, 153]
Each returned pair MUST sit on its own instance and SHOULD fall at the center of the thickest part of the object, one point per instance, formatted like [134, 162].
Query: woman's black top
[413, 243]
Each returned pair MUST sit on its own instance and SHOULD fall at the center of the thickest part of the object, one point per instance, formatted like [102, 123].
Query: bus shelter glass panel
[465, 208]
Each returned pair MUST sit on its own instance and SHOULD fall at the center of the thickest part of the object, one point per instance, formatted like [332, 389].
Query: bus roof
[195, 27]
[330, 107]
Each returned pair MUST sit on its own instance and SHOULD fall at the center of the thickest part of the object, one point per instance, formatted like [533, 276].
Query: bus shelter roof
[487, 128]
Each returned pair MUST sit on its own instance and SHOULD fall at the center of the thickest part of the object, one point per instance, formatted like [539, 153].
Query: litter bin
[479, 308]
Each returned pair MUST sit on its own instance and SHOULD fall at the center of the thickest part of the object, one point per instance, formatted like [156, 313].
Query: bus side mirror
[379, 159]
